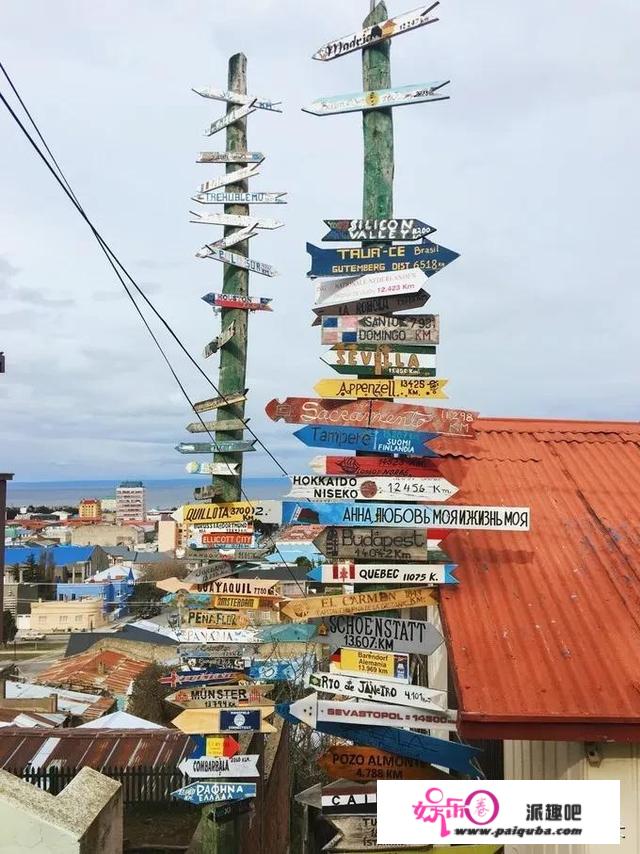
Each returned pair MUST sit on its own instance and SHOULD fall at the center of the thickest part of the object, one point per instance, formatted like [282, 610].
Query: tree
[9, 628]
[147, 696]
[34, 572]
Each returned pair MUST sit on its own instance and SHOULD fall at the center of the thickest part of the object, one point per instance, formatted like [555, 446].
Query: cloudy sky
[529, 171]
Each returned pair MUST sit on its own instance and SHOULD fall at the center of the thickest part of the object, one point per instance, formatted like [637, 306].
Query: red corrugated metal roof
[104, 669]
[543, 631]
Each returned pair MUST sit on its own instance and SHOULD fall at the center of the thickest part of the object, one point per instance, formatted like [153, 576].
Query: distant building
[107, 535]
[90, 509]
[130, 502]
[19, 597]
[60, 563]
[112, 594]
[67, 616]
[167, 535]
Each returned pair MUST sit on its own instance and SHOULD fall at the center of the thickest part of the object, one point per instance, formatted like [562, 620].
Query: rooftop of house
[58, 555]
[103, 670]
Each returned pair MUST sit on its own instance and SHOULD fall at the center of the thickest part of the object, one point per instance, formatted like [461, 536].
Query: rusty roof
[98, 749]
[543, 630]
[106, 670]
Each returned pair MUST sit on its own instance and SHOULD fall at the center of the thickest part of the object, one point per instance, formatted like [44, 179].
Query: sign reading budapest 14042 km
[388, 544]
[410, 329]
[378, 99]
[373, 441]
[381, 388]
[377, 229]
[426, 256]
[328, 487]
[377, 33]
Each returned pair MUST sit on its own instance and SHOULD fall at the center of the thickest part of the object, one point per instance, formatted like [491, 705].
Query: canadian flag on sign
[343, 571]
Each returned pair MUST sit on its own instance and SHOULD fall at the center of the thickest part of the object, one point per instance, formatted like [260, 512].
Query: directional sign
[300, 610]
[200, 677]
[241, 98]
[211, 514]
[237, 603]
[378, 99]
[235, 237]
[230, 157]
[384, 573]
[230, 178]
[426, 257]
[244, 587]
[233, 809]
[367, 285]
[410, 329]
[326, 487]
[340, 798]
[217, 402]
[383, 361]
[236, 260]
[285, 670]
[287, 632]
[398, 387]
[244, 765]
[376, 690]
[222, 198]
[402, 742]
[205, 493]
[380, 633]
[455, 517]
[238, 301]
[390, 666]
[228, 426]
[230, 446]
[377, 229]
[364, 466]
[194, 721]
[377, 33]
[359, 833]
[234, 221]
[311, 711]
[229, 553]
[375, 413]
[366, 763]
[369, 440]
[218, 469]
[225, 336]
[220, 539]
[229, 119]
[212, 571]
[221, 697]
[218, 619]
[241, 636]
[388, 544]
[373, 305]
[211, 793]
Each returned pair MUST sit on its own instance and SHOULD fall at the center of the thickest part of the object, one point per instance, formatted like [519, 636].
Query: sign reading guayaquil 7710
[351, 261]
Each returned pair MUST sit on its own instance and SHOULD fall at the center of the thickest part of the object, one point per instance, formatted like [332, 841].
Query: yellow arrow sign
[239, 603]
[213, 514]
[218, 619]
[197, 721]
[380, 388]
[299, 610]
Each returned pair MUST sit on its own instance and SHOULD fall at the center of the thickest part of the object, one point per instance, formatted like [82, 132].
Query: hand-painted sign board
[381, 362]
[217, 619]
[340, 798]
[328, 487]
[377, 32]
[228, 426]
[239, 98]
[385, 634]
[230, 157]
[369, 440]
[384, 573]
[426, 257]
[377, 229]
[381, 544]
[194, 721]
[234, 602]
[217, 402]
[361, 764]
[213, 570]
[367, 285]
[362, 688]
[233, 809]
[243, 587]
[193, 635]
[210, 745]
[225, 336]
[232, 239]
[285, 670]
[378, 414]
[402, 742]
[212, 514]
[236, 260]
[221, 696]
[229, 118]
[300, 610]
[311, 711]
[234, 221]
[373, 305]
[410, 329]
[238, 301]
[370, 466]
[234, 177]
[219, 469]
[200, 677]
[211, 793]
[229, 446]
[378, 99]
[454, 517]
[397, 387]
[222, 198]
[224, 538]
[390, 666]
[360, 833]
[244, 765]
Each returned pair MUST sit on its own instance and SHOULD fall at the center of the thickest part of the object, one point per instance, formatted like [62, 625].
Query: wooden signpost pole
[233, 356]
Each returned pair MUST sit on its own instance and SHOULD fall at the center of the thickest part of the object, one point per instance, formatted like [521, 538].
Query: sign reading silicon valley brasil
[402, 742]
[385, 634]
[229, 446]
[195, 721]
[410, 329]
[326, 487]
[380, 414]
[377, 388]
[407, 515]
[378, 99]
[390, 666]
[377, 229]
[210, 793]
[311, 711]
[387, 544]
[234, 220]
[347, 572]
[244, 765]
[239, 98]
[426, 256]
[236, 260]
[220, 696]
[370, 440]
[378, 689]
[368, 763]
[377, 33]
[300, 610]
[255, 198]
[380, 362]
[386, 304]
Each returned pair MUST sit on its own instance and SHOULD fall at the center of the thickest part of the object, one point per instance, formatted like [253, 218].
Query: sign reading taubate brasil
[381, 633]
[377, 229]
[372, 441]
[346, 572]
[300, 610]
[323, 487]
[410, 329]
[354, 260]
[378, 689]
[407, 516]
[378, 99]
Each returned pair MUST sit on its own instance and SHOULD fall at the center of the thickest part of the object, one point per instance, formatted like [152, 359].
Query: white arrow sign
[230, 178]
[311, 711]
[238, 98]
[230, 118]
[208, 767]
[234, 220]
[251, 198]
[190, 635]
[237, 260]
[218, 469]
[394, 283]
[395, 693]
[236, 237]
[346, 572]
[342, 487]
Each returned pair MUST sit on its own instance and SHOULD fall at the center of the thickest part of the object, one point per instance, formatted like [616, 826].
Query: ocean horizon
[163, 493]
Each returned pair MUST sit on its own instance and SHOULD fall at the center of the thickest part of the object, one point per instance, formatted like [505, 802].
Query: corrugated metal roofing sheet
[106, 670]
[544, 629]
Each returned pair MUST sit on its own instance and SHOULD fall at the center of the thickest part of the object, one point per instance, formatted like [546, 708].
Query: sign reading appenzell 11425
[377, 229]
[377, 32]
[370, 544]
[380, 414]
[378, 99]
[417, 387]
[410, 329]
[373, 441]
[236, 260]
[351, 261]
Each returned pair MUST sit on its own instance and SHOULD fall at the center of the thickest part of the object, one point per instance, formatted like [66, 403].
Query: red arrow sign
[367, 466]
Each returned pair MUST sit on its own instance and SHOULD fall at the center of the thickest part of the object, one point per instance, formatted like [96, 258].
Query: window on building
[64, 618]
[42, 620]
[78, 618]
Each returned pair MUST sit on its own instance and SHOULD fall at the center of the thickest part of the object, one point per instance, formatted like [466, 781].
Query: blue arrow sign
[367, 439]
[287, 632]
[286, 670]
[403, 742]
[209, 793]
[360, 260]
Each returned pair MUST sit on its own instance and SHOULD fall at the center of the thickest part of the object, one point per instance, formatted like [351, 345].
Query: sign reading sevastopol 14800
[407, 515]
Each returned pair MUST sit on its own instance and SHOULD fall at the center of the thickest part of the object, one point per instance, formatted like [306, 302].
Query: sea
[160, 494]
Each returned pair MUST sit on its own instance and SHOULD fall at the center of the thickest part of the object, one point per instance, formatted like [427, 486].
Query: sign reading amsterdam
[299, 610]
[380, 633]
[373, 441]
[356, 260]
[407, 516]
[377, 229]
[411, 329]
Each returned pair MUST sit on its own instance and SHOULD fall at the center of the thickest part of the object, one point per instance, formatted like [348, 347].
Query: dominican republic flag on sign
[339, 330]
[343, 571]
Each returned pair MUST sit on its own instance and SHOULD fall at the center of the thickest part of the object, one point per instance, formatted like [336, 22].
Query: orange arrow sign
[299, 610]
